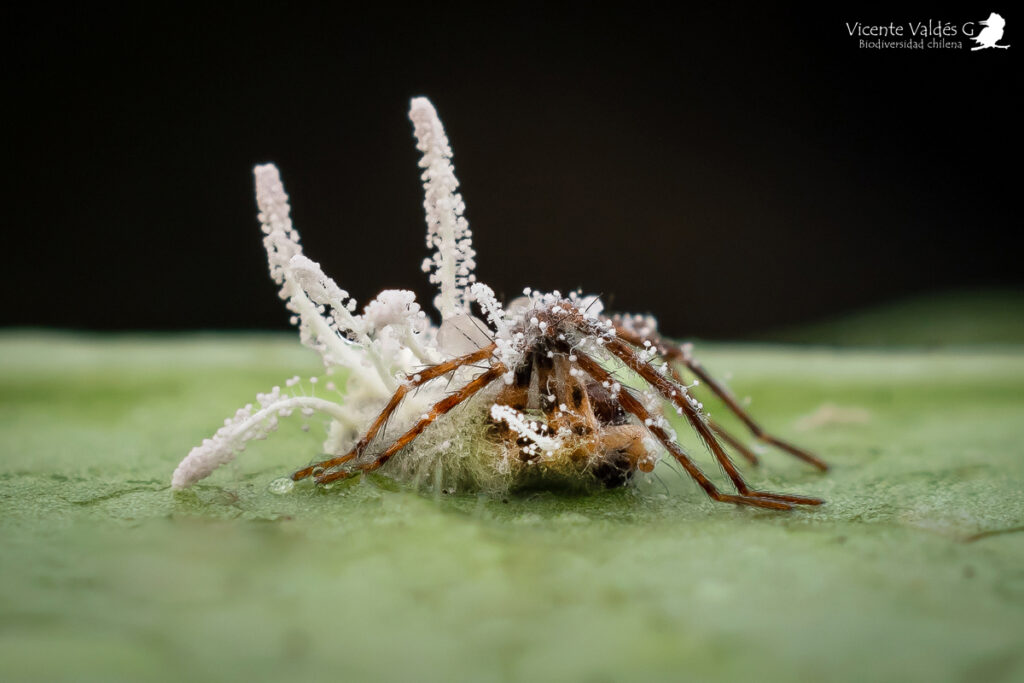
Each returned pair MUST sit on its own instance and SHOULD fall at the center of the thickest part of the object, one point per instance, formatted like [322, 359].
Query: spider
[535, 393]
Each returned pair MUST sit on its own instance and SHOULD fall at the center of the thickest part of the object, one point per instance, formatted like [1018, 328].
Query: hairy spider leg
[561, 398]
[566, 404]
[723, 393]
[439, 409]
[557, 390]
[637, 340]
[620, 447]
[674, 353]
[677, 395]
[727, 437]
[411, 382]
[517, 396]
[632, 405]
[626, 439]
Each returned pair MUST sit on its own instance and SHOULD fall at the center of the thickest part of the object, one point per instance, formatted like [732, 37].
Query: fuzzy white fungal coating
[394, 307]
[245, 426]
[447, 229]
[390, 340]
[393, 340]
[523, 426]
[510, 347]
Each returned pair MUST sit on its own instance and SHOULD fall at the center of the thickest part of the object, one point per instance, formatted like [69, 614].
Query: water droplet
[281, 486]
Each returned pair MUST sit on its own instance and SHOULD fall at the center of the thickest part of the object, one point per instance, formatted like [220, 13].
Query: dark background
[730, 170]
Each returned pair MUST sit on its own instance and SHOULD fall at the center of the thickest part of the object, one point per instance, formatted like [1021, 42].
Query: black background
[729, 169]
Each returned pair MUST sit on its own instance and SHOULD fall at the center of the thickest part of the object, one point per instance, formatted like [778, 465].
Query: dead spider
[537, 388]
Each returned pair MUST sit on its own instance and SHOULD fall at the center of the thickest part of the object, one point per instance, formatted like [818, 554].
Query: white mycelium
[392, 339]
[447, 230]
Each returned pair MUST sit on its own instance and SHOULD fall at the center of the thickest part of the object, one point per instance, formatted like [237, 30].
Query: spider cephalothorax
[538, 384]
[583, 417]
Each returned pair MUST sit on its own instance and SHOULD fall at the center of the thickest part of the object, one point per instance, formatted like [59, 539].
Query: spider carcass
[531, 395]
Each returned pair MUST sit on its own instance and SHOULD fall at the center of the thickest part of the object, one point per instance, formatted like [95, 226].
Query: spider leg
[678, 396]
[411, 382]
[632, 405]
[666, 351]
[566, 404]
[439, 409]
[674, 353]
[516, 396]
[727, 437]
[723, 393]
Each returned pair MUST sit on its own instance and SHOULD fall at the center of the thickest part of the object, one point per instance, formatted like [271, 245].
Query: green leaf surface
[914, 570]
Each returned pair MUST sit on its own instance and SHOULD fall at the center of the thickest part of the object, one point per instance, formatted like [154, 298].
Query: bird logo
[991, 34]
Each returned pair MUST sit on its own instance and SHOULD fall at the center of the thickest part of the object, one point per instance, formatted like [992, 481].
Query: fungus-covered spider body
[534, 394]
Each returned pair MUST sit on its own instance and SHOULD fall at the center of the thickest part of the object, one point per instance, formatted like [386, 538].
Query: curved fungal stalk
[247, 425]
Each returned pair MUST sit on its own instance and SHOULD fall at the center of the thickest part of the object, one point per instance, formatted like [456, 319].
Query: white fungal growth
[394, 307]
[391, 342]
[392, 338]
[245, 426]
[447, 229]
[510, 347]
[525, 427]
[281, 240]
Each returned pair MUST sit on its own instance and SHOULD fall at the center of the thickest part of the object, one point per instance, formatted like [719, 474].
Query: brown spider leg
[439, 409]
[717, 428]
[678, 396]
[632, 405]
[727, 437]
[675, 354]
[411, 382]
[733, 441]
[566, 404]
[516, 396]
[697, 369]
[665, 350]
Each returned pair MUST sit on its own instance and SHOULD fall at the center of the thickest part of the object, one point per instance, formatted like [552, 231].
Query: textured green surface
[914, 570]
